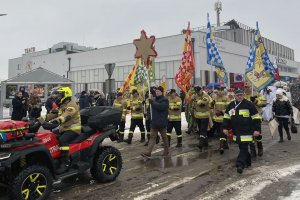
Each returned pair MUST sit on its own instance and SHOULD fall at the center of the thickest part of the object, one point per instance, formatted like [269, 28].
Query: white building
[87, 64]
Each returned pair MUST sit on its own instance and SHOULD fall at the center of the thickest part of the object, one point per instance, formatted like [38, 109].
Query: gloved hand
[176, 109]
[253, 98]
[55, 121]
[213, 102]
[256, 133]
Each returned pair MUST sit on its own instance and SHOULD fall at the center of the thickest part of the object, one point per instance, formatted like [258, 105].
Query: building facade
[85, 66]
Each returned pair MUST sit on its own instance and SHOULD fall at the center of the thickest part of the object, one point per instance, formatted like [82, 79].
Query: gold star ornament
[144, 48]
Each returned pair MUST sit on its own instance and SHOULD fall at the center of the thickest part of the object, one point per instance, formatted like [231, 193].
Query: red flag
[187, 67]
[277, 70]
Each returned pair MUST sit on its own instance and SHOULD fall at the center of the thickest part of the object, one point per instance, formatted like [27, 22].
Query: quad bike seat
[86, 132]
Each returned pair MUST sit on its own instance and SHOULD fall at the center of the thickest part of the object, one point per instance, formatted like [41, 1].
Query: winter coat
[160, 108]
[84, 102]
[18, 108]
[35, 106]
[282, 107]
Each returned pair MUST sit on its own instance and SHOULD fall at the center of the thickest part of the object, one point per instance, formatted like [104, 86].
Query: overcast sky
[102, 23]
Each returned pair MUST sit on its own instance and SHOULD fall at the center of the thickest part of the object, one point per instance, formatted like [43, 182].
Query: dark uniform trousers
[177, 126]
[244, 157]
[202, 126]
[139, 123]
[121, 128]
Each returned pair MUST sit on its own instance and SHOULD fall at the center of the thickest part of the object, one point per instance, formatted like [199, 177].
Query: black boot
[121, 138]
[288, 135]
[202, 142]
[280, 136]
[221, 149]
[148, 139]
[142, 138]
[252, 150]
[179, 142]
[157, 139]
[129, 139]
[64, 163]
[260, 150]
[169, 139]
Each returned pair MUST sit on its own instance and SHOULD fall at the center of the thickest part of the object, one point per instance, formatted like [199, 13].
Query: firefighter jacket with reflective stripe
[68, 117]
[136, 106]
[244, 120]
[219, 107]
[122, 106]
[201, 105]
[175, 109]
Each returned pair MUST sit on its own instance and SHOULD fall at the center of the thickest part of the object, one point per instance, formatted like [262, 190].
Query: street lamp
[69, 59]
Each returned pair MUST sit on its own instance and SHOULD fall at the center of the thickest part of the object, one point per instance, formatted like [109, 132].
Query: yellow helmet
[64, 92]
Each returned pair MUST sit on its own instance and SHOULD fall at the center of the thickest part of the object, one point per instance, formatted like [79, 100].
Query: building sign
[30, 50]
[281, 60]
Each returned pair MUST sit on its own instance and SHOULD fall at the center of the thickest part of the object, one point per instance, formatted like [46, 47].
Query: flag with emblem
[151, 70]
[140, 73]
[187, 67]
[260, 70]
[213, 55]
[129, 80]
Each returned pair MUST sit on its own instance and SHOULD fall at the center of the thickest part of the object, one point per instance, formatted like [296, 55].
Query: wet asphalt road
[189, 173]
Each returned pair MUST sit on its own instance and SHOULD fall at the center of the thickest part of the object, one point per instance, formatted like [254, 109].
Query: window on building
[19, 66]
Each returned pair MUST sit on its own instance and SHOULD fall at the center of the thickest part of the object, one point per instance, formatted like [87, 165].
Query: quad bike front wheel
[32, 183]
[107, 164]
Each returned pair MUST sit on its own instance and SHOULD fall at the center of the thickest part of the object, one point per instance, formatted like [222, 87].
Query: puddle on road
[177, 161]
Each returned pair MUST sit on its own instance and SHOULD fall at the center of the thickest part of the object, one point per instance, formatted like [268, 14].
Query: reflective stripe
[226, 116]
[201, 114]
[168, 133]
[257, 116]
[137, 116]
[202, 136]
[218, 119]
[223, 139]
[121, 133]
[244, 112]
[179, 136]
[174, 117]
[66, 148]
[220, 103]
[130, 131]
[244, 138]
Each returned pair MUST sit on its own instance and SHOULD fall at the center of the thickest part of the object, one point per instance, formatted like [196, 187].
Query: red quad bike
[29, 159]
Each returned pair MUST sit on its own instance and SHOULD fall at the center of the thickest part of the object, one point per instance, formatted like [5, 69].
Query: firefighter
[136, 107]
[259, 101]
[174, 120]
[121, 104]
[201, 112]
[246, 123]
[219, 105]
[68, 118]
[192, 127]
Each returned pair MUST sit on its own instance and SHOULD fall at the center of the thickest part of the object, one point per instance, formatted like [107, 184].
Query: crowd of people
[219, 112]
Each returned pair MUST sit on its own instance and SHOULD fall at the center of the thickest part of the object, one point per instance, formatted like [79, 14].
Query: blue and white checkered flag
[213, 55]
[251, 57]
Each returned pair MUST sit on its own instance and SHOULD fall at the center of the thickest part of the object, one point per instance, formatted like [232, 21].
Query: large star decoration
[144, 47]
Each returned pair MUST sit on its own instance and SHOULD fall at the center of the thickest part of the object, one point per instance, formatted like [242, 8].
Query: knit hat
[279, 92]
